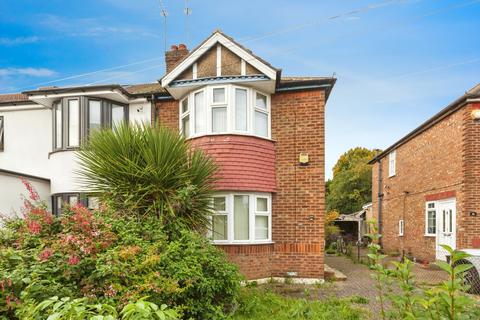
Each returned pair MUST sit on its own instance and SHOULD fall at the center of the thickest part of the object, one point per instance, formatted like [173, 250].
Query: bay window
[75, 118]
[225, 109]
[241, 218]
[60, 200]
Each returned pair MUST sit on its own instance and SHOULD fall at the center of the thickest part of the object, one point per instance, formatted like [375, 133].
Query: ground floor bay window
[242, 218]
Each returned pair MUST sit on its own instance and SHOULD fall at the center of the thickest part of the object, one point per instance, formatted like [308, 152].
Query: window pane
[73, 123]
[186, 126]
[219, 227]
[94, 115]
[219, 95]
[73, 200]
[241, 109]
[92, 203]
[59, 204]
[431, 205]
[261, 101]
[262, 205]
[240, 213]
[431, 221]
[199, 112]
[118, 115]
[219, 204]
[219, 119]
[58, 125]
[184, 105]
[261, 227]
[261, 124]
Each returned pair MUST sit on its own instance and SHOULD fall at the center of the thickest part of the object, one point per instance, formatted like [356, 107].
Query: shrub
[142, 170]
[396, 287]
[99, 258]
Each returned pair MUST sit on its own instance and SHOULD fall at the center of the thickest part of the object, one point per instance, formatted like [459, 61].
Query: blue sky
[397, 63]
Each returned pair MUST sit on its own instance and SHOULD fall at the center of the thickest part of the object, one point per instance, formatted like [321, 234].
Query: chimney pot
[182, 46]
[173, 47]
[175, 55]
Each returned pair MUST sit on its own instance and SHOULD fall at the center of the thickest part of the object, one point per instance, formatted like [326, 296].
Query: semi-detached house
[426, 186]
[265, 131]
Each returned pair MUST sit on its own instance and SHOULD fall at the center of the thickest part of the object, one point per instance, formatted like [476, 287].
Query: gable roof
[229, 43]
[445, 112]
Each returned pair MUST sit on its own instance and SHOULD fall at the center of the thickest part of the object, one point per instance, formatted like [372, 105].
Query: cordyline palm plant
[142, 170]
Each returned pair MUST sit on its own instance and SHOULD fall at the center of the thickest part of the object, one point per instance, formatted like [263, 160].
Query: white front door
[446, 227]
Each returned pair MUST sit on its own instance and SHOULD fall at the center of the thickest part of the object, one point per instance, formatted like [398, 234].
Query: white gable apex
[220, 38]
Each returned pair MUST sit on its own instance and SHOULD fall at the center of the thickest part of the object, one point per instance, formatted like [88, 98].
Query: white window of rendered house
[392, 163]
[430, 219]
[401, 227]
[73, 124]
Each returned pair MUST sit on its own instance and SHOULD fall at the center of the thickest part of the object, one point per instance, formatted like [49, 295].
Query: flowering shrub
[107, 260]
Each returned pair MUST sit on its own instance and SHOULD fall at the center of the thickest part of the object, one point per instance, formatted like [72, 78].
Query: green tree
[144, 170]
[351, 186]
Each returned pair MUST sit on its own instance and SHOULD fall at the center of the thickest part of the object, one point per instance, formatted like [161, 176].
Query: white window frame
[252, 213]
[401, 227]
[221, 213]
[230, 106]
[392, 163]
[427, 209]
[261, 110]
[184, 115]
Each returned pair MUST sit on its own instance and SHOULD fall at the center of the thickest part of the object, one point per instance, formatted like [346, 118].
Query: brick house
[426, 186]
[265, 131]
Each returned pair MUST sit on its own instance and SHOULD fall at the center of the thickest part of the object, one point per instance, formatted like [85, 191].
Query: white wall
[140, 112]
[28, 140]
[28, 146]
[12, 193]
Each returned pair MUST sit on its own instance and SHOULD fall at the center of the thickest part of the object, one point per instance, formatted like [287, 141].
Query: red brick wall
[299, 202]
[468, 233]
[428, 167]
[245, 163]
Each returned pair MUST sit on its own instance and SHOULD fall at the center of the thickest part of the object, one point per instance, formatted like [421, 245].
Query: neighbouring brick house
[426, 186]
[265, 131]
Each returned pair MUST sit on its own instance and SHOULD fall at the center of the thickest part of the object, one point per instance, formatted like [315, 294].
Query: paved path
[360, 283]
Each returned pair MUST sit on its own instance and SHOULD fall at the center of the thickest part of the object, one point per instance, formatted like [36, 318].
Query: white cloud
[18, 40]
[33, 72]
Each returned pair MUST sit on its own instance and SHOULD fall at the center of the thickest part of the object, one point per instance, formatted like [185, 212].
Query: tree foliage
[351, 186]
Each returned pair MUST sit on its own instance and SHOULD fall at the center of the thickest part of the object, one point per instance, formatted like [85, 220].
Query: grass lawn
[262, 303]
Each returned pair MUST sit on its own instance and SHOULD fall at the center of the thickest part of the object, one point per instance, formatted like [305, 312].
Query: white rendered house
[41, 130]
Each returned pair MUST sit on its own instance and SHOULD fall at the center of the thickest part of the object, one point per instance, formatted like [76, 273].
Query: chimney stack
[175, 55]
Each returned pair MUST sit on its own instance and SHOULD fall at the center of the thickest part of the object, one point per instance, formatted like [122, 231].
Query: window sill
[430, 235]
[243, 243]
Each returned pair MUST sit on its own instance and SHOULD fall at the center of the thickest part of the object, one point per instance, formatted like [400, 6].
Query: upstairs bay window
[225, 109]
[241, 218]
[75, 118]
